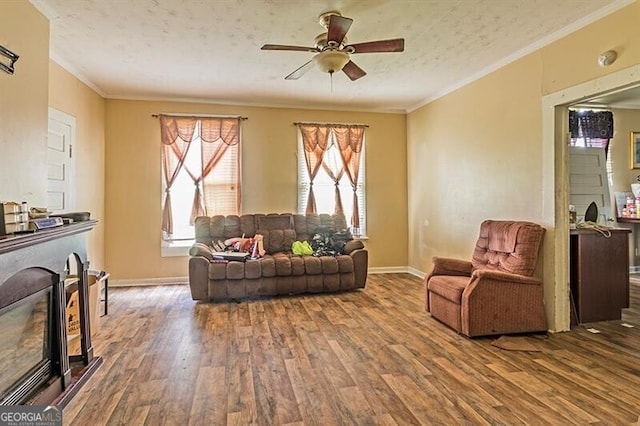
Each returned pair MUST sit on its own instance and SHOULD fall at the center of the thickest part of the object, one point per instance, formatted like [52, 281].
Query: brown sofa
[278, 271]
[496, 292]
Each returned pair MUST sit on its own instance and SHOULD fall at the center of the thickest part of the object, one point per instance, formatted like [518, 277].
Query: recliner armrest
[449, 266]
[505, 276]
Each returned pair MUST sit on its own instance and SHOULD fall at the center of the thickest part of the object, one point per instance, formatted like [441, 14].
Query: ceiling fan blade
[353, 71]
[380, 46]
[338, 27]
[300, 71]
[291, 48]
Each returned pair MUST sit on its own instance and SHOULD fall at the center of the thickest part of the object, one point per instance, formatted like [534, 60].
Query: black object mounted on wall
[6, 54]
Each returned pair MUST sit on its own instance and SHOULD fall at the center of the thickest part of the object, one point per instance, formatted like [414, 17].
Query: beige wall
[625, 121]
[23, 104]
[133, 179]
[490, 133]
[24, 101]
[70, 95]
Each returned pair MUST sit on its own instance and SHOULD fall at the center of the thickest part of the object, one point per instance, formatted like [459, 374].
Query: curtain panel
[349, 137]
[216, 134]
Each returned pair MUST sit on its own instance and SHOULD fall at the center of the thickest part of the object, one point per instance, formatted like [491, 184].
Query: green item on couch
[301, 248]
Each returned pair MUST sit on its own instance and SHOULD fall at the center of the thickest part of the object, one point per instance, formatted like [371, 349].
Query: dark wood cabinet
[599, 274]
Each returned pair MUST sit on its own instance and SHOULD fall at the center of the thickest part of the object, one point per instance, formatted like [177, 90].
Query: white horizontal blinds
[220, 189]
[324, 185]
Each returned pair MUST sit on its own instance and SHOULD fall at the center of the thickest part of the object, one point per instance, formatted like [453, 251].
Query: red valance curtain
[217, 134]
[315, 138]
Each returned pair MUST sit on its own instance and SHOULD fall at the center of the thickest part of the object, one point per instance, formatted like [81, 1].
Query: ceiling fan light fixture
[331, 61]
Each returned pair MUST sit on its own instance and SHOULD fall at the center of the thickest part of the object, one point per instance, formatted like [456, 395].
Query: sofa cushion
[312, 265]
[329, 265]
[283, 264]
[277, 240]
[345, 263]
[274, 221]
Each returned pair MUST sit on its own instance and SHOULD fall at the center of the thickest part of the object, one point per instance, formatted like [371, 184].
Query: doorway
[555, 181]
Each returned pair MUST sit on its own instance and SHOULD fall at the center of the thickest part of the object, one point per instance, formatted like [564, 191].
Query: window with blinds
[219, 188]
[324, 186]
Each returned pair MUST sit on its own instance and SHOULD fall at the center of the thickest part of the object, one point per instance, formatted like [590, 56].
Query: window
[201, 172]
[324, 184]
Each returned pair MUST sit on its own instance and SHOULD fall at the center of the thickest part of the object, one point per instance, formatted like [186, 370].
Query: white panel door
[588, 182]
[60, 161]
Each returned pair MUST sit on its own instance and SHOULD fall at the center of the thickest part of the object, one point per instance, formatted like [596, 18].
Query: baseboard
[388, 270]
[148, 281]
[417, 273]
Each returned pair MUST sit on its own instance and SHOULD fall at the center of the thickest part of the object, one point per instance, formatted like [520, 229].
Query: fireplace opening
[27, 316]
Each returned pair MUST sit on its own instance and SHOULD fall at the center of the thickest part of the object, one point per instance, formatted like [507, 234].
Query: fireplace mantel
[52, 250]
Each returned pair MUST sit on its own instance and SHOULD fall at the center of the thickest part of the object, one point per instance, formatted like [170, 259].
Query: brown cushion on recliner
[508, 246]
[448, 286]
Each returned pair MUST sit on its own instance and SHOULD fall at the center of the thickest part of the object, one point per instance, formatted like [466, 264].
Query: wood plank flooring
[365, 357]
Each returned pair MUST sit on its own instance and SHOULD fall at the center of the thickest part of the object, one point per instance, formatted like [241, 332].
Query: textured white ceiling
[209, 50]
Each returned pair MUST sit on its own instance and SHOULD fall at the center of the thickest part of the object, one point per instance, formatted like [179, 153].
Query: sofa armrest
[352, 245]
[360, 266]
[199, 249]
[448, 266]
[199, 277]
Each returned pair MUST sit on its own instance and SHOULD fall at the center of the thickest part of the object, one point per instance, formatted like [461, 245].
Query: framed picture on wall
[634, 150]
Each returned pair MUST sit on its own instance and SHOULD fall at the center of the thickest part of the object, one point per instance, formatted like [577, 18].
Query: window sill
[175, 248]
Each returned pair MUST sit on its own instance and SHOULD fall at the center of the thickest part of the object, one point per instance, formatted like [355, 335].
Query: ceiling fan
[333, 52]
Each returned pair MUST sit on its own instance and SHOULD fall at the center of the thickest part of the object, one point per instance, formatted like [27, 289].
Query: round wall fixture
[607, 58]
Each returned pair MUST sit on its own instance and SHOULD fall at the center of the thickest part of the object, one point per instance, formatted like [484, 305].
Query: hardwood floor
[363, 357]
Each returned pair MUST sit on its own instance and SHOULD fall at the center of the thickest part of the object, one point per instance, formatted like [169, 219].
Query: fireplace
[26, 335]
[35, 366]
